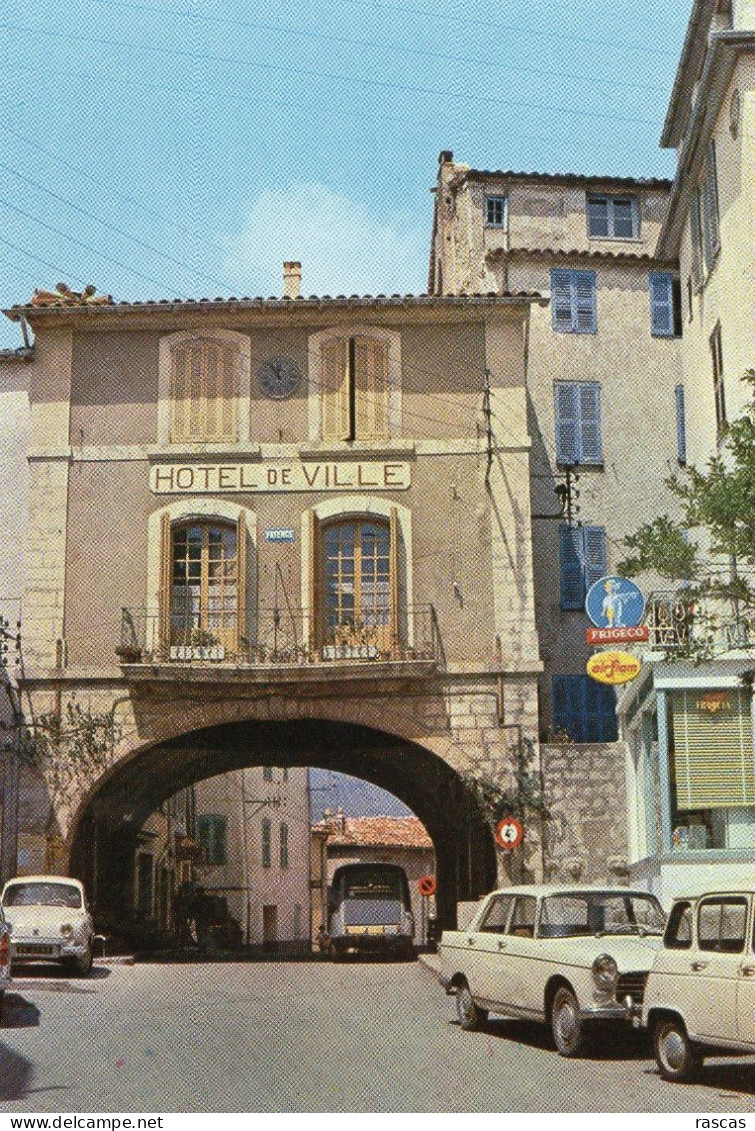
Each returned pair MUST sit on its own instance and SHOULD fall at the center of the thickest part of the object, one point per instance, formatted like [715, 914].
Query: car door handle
[699, 965]
[748, 971]
[502, 945]
[470, 942]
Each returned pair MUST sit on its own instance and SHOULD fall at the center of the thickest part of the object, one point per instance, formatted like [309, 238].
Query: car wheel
[470, 1015]
[568, 1028]
[83, 965]
[677, 1057]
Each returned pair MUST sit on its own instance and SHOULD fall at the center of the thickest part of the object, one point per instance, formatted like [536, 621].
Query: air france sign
[615, 603]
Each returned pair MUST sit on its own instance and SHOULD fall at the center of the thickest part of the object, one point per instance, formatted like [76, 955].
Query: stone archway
[103, 834]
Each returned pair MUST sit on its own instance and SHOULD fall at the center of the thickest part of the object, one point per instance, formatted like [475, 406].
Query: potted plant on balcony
[205, 645]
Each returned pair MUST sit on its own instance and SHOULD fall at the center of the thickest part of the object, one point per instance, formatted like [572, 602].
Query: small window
[582, 561]
[211, 835]
[612, 217]
[665, 305]
[573, 301]
[266, 843]
[584, 710]
[284, 845]
[523, 917]
[717, 361]
[679, 930]
[578, 434]
[497, 915]
[681, 430]
[495, 211]
[721, 924]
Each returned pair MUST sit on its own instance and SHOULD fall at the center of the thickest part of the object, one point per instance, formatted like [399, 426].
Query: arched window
[204, 585]
[358, 590]
[204, 390]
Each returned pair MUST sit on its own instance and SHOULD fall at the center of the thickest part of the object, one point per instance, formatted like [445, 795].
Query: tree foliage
[710, 548]
[511, 790]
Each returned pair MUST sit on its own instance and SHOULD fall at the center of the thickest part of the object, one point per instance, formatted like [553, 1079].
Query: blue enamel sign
[614, 602]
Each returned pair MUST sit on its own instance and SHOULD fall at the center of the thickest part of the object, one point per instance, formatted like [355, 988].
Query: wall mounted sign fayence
[277, 475]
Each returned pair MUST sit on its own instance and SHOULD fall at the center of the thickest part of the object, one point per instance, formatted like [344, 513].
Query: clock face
[279, 377]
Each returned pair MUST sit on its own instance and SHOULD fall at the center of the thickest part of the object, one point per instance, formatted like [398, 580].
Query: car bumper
[46, 949]
[613, 1011]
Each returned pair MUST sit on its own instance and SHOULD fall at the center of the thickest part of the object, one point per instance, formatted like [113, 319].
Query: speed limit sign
[509, 832]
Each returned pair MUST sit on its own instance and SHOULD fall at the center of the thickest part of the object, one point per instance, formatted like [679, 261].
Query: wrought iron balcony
[276, 637]
[676, 622]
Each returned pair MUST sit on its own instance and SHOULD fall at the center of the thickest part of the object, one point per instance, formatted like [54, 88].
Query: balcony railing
[677, 623]
[277, 637]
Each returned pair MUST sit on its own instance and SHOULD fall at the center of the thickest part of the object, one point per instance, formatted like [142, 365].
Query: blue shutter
[561, 299]
[560, 702]
[661, 305]
[599, 720]
[591, 447]
[594, 554]
[585, 320]
[566, 395]
[681, 432]
[572, 576]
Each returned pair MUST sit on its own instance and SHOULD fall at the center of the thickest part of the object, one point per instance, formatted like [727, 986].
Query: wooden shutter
[180, 397]
[713, 753]
[371, 388]
[710, 209]
[661, 305]
[561, 299]
[571, 572]
[594, 554]
[584, 302]
[567, 422]
[393, 570]
[334, 389]
[590, 441]
[241, 625]
[166, 579]
[599, 711]
[681, 431]
[314, 597]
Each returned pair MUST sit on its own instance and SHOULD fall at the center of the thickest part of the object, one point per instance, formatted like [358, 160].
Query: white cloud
[342, 246]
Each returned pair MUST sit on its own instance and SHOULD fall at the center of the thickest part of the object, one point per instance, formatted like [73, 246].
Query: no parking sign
[509, 832]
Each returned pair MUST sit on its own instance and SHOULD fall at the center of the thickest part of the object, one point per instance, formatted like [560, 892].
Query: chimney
[342, 820]
[292, 279]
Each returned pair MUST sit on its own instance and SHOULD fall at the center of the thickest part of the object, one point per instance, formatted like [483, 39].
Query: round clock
[279, 377]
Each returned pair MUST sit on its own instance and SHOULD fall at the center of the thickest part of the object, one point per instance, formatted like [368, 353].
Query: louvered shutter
[697, 238]
[334, 389]
[585, 314]
[681, 431]
[180, 397]
[713, 752]
[567, 422]
[560, 702]
[393, 571]
[314, 597]
[710, 209]
[594, 552]
[571, 572]
[241, 625]
[166, 579]
[661, 305]
[590, 446]
[561, 299]
[599, 720]
[371, 388]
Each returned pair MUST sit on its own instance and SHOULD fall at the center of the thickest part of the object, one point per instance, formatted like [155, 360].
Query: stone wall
[586, 829]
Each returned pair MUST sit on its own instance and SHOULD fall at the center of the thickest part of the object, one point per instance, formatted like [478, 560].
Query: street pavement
[310, 1037]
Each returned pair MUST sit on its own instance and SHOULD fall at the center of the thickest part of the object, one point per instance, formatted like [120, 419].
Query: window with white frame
[495, 211]
[612, 217]
[574, 301]
[578, 431]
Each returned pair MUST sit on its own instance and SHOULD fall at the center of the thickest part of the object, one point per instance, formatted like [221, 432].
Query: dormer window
[612, 217]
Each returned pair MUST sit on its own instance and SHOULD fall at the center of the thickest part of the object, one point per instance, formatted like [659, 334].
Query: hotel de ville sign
[277, 475]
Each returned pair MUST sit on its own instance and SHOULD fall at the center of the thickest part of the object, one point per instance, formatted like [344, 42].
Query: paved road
[308, 1037]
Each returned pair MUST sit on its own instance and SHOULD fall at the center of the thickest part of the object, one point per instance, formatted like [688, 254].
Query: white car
[49, 921]
[566, 955]
[701, 990]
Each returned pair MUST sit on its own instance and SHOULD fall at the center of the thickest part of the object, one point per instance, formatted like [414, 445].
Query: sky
[186, 148]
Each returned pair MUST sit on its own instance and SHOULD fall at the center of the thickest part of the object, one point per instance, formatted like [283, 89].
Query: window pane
[623, 225]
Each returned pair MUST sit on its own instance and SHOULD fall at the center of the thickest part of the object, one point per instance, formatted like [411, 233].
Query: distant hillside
[357, 798]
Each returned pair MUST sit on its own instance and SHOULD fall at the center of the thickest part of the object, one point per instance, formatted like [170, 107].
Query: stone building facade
[281, 532]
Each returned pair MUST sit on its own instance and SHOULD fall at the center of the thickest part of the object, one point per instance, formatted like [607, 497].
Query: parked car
[701, 990]
[5, 960]
[568, 956]
[49, 921]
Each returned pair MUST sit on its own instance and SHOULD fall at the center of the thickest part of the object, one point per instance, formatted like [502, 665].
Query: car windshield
[44, 894]
[600, 913]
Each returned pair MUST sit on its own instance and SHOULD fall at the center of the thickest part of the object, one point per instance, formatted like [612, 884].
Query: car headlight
[66, 929]
[605, 972]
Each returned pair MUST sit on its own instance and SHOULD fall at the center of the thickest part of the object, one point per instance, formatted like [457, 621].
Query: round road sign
[427, 885]
[509, 832]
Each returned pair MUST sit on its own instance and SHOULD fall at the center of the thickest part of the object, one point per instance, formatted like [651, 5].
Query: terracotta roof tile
[390, 832]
